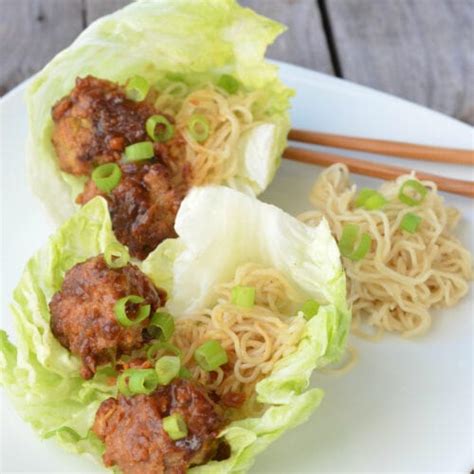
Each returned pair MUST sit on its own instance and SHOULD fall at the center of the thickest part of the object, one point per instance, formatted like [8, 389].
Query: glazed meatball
[142, 207]
[135, 441]
[83, 317]
[94, 124]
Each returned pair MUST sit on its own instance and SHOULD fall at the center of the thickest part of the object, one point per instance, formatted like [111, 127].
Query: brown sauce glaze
[135, 441]
[83, 316]
[92, 126]
[142, 207]
[95, 123]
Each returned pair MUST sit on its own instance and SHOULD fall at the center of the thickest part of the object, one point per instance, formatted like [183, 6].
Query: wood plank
[304, 43]
[97, 8]
[417, 49]
[31, 33]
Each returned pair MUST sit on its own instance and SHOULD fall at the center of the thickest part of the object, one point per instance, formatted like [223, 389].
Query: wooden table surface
[421, 50]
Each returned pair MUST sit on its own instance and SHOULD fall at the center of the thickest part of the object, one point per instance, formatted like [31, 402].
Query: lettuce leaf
[43, 378]
[213, 242]
[40, 375]
[194, 41]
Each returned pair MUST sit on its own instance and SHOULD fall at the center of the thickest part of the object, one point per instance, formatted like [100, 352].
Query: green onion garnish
[134, 381]
[167, 368]
[175, 77]
[310, 308]
[161, 326]
[139, 151]
[363, 195]
[417, 188]
[165, 131]
[198, 127]
[116, 256]
[210, 355]
[107, 177]
[370, 199]
[229, 83]
[143, 381]
[122, 382]
[137, 88]
[347, 242]
[410, 222]
[121, 310]
[184, 373]
[243, 296]
[153, 350]
[375, 202]
[175, 426]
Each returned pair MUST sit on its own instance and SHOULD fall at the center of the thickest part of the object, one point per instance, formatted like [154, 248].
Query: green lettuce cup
[42, 377]
[166, 42]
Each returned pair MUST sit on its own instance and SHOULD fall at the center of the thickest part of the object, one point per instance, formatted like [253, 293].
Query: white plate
[408, 404]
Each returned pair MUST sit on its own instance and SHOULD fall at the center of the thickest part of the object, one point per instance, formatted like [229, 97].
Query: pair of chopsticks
[382, 147]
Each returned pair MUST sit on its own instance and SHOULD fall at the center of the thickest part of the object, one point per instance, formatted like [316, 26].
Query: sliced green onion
[161, 326]
[243, 296]
[370, 199]
[417, 188]
[116, 256]
[210, 355]
[143, 381]
[135, 381]
[167, 368]
[347, 243]
[137, 88]
[122, 382]
[153, 350]
[107, 177]
[175, 426]
[184, 373]
[198, 127]
[121, 310]
[363, 248]
[175, 76]
[363, 195]
[164, 133]
[348, 238]
[229, 83]
[310, 308]
[410, 222]
[375, 202]
[139, 151]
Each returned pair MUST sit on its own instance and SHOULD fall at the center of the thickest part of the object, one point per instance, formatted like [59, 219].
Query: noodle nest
[404, 275]
[229, 116]
[255, 338]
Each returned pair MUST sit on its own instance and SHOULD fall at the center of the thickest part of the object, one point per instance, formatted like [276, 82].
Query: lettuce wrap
[42, 377]
[192, 41]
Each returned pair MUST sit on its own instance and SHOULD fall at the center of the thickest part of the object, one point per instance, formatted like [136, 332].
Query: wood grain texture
[97, 8]
[385, 147]
[377, 170]
[421, 50]
[31, 33]
[304, 43]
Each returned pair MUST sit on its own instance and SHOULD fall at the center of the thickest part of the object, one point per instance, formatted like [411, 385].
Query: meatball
[94, 124]
[83, 317]
[143, 206]
[135, 440]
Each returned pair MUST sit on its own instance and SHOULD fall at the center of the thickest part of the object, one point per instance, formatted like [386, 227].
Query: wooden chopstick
[385, 147]
[378, 170]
